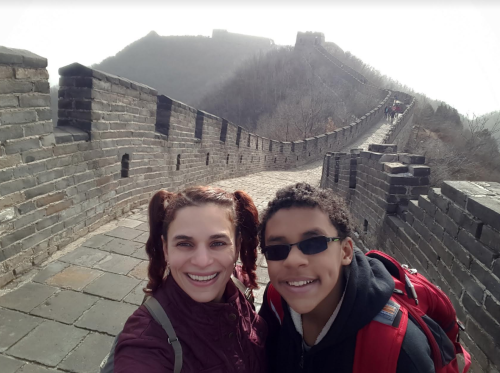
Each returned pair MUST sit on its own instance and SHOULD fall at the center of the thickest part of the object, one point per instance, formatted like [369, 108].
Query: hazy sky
[449, 50]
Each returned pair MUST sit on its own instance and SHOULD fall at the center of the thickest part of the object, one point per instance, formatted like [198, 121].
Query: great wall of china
[118, 141]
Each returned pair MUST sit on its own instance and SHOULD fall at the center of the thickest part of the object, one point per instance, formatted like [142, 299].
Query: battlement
[309, 38]
[116, 142]
[451, 234]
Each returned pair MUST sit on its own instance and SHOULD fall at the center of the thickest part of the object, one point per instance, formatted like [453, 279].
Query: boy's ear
[165, 251]
[347, 251]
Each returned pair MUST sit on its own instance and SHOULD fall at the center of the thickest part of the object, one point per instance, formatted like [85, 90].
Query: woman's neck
[314, 321]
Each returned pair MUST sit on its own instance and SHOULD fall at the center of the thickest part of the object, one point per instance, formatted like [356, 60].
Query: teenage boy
[329, 290]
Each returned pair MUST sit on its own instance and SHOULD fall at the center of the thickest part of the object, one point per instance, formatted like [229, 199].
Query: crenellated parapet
[451, 234]
[116, 143]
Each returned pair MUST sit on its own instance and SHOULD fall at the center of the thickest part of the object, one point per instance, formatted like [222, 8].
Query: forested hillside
[286, 95]
[184, 67]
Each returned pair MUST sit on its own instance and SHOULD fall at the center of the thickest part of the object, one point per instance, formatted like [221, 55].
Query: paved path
[64, 315]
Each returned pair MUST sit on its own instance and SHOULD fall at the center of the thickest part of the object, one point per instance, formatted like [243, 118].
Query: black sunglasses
[311, 246]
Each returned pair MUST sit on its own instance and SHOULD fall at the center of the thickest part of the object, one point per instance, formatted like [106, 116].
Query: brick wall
[450, 235]
[116, 143]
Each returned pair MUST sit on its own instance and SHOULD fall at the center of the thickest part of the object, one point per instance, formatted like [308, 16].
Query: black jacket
[368, 290]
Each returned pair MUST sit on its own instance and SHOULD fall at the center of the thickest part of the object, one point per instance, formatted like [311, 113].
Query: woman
[196, 237]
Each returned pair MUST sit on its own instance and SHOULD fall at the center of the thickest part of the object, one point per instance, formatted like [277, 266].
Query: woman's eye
[184, 244]
[218, 243]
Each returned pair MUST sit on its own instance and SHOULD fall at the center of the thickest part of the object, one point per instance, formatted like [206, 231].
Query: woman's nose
[202, 256]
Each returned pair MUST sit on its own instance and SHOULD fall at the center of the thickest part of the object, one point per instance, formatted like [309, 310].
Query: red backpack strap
[274, 302]
[379, 343]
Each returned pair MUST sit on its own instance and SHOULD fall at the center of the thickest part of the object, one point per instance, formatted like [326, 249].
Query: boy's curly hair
[305, 195]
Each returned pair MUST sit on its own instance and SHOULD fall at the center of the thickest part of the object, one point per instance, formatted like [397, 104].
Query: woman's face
[201, 251]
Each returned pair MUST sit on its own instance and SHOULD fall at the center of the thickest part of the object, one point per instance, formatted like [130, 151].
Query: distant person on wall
[195, 239]
[393, 114]
[386, 111]
[325, 294]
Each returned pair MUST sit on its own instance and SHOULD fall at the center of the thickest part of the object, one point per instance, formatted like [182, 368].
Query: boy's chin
[302, 307]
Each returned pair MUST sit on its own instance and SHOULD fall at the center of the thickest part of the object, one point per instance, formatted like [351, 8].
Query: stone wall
[450, 235]
[115, 144]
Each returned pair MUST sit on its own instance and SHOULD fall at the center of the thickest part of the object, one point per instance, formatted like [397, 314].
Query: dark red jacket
[215, 337]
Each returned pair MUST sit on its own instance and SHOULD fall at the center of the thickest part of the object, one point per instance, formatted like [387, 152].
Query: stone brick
[470, 285]
[37, 155]
[74, 277]
[448, 224]
[491, 238]
[49, 271]
[483, 340]
[452, 281]
[49, 343]
[482, 318]
[28, 219]
[395, 168]
[484, 275]
[427, 205]
[6, 72]
[460, 191]
[58, 207]
[477, 249]
[416, 210]
[411, 159]
[34, 100]
[36, 74]
[124, 233]
[17, 146]
[8, 364]
[141, 271]
[458, 250]
[106, 317]
[7, 214]
[10, 132]
[17, 117]
[17, 235]
[112, 286]
[438, 199]
[27, 297]
[42, 87]
[486, 208]
[39, 190]
[84, 256]
[47, 200]
[14, 326]
[493, 307]
[66, 306]
[89, 354]
[12, 86]
[9, 101]
[118, 264]
[419, 170]
[49, 175]
[44, 114]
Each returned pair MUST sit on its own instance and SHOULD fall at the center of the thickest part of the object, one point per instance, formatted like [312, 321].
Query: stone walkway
[63, 316]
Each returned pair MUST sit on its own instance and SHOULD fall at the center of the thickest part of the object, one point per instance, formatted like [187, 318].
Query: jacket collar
[174, 298]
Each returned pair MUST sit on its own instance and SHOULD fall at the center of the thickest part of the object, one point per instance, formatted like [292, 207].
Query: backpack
[158, 313]
[378, 344]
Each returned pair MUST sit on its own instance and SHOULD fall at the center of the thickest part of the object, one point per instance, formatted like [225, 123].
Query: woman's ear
[164, 245]
[347, 251]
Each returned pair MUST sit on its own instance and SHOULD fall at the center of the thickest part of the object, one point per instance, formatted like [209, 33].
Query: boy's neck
[314, 321]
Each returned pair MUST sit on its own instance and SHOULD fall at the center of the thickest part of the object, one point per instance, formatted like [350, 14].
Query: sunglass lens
[313, 245]
[277, 252]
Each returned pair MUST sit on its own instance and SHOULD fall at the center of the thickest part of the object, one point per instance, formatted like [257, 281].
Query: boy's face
[306, 281]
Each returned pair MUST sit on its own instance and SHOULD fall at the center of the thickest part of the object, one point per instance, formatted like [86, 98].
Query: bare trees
[455, 151]
[287, 95]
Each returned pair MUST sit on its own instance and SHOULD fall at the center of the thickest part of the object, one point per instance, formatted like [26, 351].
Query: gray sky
[449, 50]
